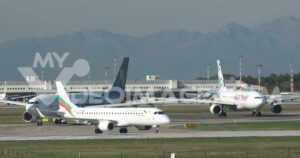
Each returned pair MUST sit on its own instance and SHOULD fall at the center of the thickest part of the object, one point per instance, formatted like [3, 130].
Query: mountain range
[173, 54]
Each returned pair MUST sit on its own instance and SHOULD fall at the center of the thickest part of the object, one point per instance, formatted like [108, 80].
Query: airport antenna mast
[259, 75]
[292, 77]
[207, 71]
[115, 67]
[240, 67]
[42, 75]
[106, 76]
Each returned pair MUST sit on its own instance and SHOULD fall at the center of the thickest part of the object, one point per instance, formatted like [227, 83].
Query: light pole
[240, 67]
[106, 76]
[207, 71]
[259, 75]
[292, 77]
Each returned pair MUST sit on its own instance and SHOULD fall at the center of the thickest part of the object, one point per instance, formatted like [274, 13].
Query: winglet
[220, 76]
[64, 101]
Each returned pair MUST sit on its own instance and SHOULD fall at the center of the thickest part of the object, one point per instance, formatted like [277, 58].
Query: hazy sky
[36, 18]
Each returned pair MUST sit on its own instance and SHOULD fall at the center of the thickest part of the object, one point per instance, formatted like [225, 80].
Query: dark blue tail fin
[120, 81]
[119, 84]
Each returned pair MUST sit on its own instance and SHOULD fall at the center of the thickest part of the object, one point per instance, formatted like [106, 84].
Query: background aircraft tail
[64, 102]
[120, 81]
[220, 76]
[117, 90]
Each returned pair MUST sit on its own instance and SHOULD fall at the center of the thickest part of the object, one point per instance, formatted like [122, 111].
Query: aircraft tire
[259, 114]
[123, 130]
[98, 131]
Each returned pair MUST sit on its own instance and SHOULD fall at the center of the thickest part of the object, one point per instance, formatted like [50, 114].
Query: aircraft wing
[202, 101]
[14, 102]
[18, 97]
[61, 114]
[280, 99]
[195, 100]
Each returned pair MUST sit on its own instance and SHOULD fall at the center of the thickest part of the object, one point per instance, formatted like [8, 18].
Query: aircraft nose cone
[260, 102]
[167, 119]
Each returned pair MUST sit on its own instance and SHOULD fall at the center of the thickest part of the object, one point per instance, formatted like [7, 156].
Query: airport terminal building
[33, 85]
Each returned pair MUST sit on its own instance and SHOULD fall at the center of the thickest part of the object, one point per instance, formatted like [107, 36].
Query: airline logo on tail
[63, 100]
[220, 76]
[65, 105]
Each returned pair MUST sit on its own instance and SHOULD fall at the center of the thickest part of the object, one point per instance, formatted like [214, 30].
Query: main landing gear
[60, 121]
[98, 131]
[156, 130]
[39, 122]
[255, 113]
[223, 114]
[123, 130]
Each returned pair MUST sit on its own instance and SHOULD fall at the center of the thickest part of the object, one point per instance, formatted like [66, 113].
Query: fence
[10, 153]
[274, 153]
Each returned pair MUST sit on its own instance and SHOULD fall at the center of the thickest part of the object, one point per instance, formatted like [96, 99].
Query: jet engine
[143, 128]
[106, 125]
[216, 109]
[27, 117]
[276, 108]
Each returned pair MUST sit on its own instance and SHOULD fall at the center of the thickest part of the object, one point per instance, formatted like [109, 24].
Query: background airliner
[236, 99]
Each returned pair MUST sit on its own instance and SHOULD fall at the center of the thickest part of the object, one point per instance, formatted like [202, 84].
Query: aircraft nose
[167, 119]
[261, 101]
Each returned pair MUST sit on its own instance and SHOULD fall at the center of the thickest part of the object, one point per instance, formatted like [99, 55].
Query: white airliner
[107, 118]
[235, 99]
[240, 99]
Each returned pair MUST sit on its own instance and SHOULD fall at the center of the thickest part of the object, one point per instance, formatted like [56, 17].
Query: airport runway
[66, 132]
[233, 117]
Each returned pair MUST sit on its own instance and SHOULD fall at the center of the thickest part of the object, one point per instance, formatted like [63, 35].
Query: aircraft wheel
[123, 130]
[56, 121]
[259, 114]
[156, 130]
[39, 123]
[223, 114]
[98, 131]
[254, 114]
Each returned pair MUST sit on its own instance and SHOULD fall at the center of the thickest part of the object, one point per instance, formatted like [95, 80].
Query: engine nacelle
[276, 108]
[27, 117]
[143, 128]
[216, 109]
[106, 125]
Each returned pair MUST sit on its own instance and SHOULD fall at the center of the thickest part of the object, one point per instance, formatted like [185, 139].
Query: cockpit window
[257, 97]
[159, 113]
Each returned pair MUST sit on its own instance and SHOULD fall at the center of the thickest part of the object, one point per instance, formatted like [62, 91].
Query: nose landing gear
[98, 131]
